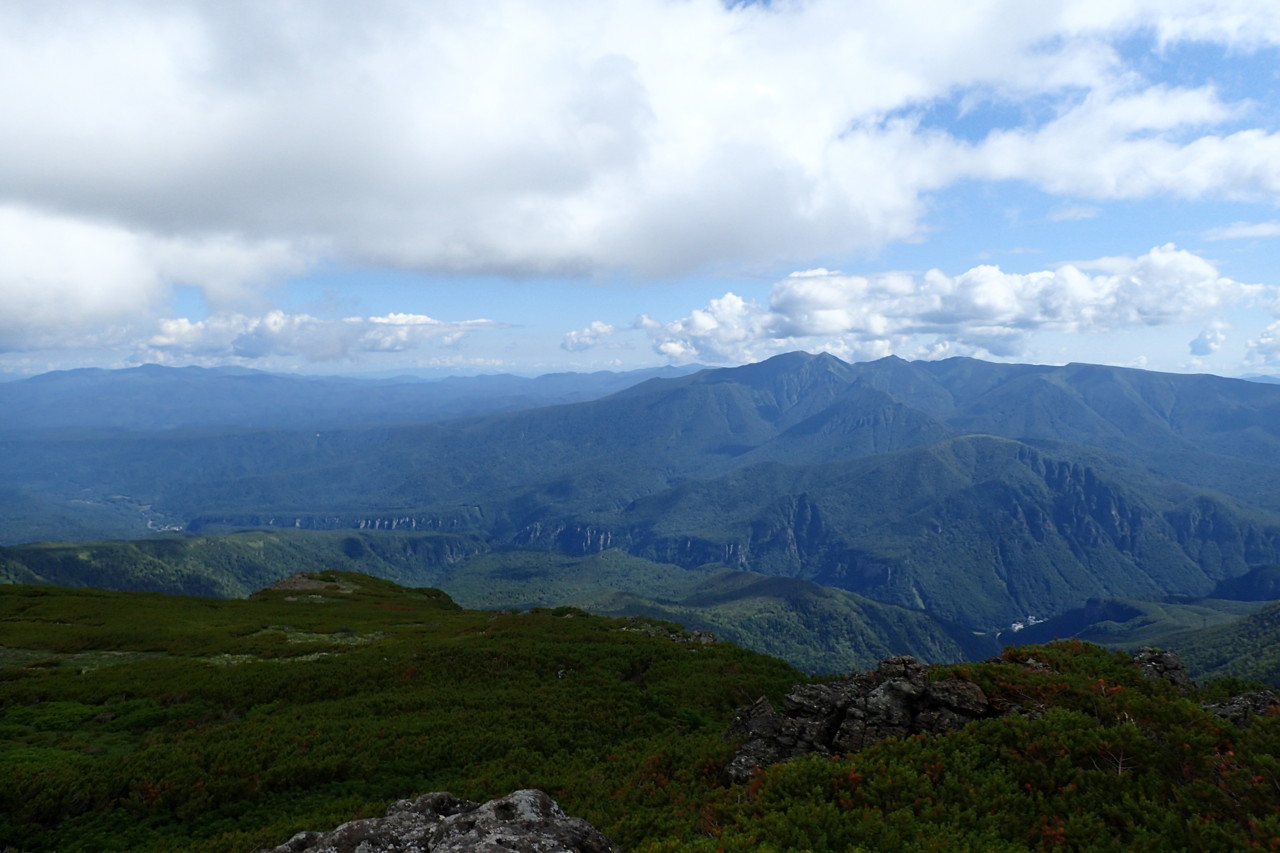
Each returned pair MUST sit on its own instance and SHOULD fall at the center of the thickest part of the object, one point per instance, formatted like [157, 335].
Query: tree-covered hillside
[1247, 648]
[816, 628]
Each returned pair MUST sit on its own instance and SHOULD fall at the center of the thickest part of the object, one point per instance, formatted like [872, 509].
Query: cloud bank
[280, 334]
[983, 311]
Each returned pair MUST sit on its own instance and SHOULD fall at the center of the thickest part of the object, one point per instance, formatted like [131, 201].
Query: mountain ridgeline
[981, 494]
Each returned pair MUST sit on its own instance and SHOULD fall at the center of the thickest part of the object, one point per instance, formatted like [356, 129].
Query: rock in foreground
[525, 821]
[846, 716]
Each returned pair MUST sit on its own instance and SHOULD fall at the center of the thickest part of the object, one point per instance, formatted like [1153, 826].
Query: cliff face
[979, 531]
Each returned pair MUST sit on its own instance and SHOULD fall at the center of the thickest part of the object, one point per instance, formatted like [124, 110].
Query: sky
[527, 187]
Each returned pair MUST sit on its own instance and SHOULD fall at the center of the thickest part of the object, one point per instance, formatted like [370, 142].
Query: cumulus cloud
[1265, 351]
[1210, 339]
[585, 339]
[279, 334]
[984, 310]
[728, 329]
[1122, 145]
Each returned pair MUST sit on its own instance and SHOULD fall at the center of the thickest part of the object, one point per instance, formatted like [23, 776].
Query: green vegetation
[233, 564]
[815, 628]
[1131, 623]
[147, 722]
[1248, 648]
[1216, 638]
[1103, 761]
[818, 629]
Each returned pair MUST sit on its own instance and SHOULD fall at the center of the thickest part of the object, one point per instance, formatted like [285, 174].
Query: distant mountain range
[980, 494]
[154, 398]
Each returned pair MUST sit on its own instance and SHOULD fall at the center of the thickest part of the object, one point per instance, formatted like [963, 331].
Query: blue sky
[529, 187]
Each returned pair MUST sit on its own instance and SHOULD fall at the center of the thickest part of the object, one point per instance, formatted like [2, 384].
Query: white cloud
[1265, 351]
[1244, 231]
[728, 329]
[1210, 339]
[64, 279]
[279, 334]
[229, 145]
[982, 311]
[561, 137]
[1120, 145]
[1244, 24]
[585, 339]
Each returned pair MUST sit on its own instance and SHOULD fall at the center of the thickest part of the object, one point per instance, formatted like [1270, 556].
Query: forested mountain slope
[979, 492]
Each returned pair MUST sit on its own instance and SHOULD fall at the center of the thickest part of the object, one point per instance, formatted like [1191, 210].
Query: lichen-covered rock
[525, 821]
[847, 716]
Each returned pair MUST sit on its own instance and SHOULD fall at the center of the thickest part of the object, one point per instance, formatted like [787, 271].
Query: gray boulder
[526, 821]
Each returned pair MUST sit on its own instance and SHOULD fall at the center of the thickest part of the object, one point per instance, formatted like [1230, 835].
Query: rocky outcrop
[840, 717]
[897, 699]
[525, 821]
[1240, 710]
[1166, 666]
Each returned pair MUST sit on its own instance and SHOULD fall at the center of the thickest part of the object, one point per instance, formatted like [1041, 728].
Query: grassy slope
[816, 628]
